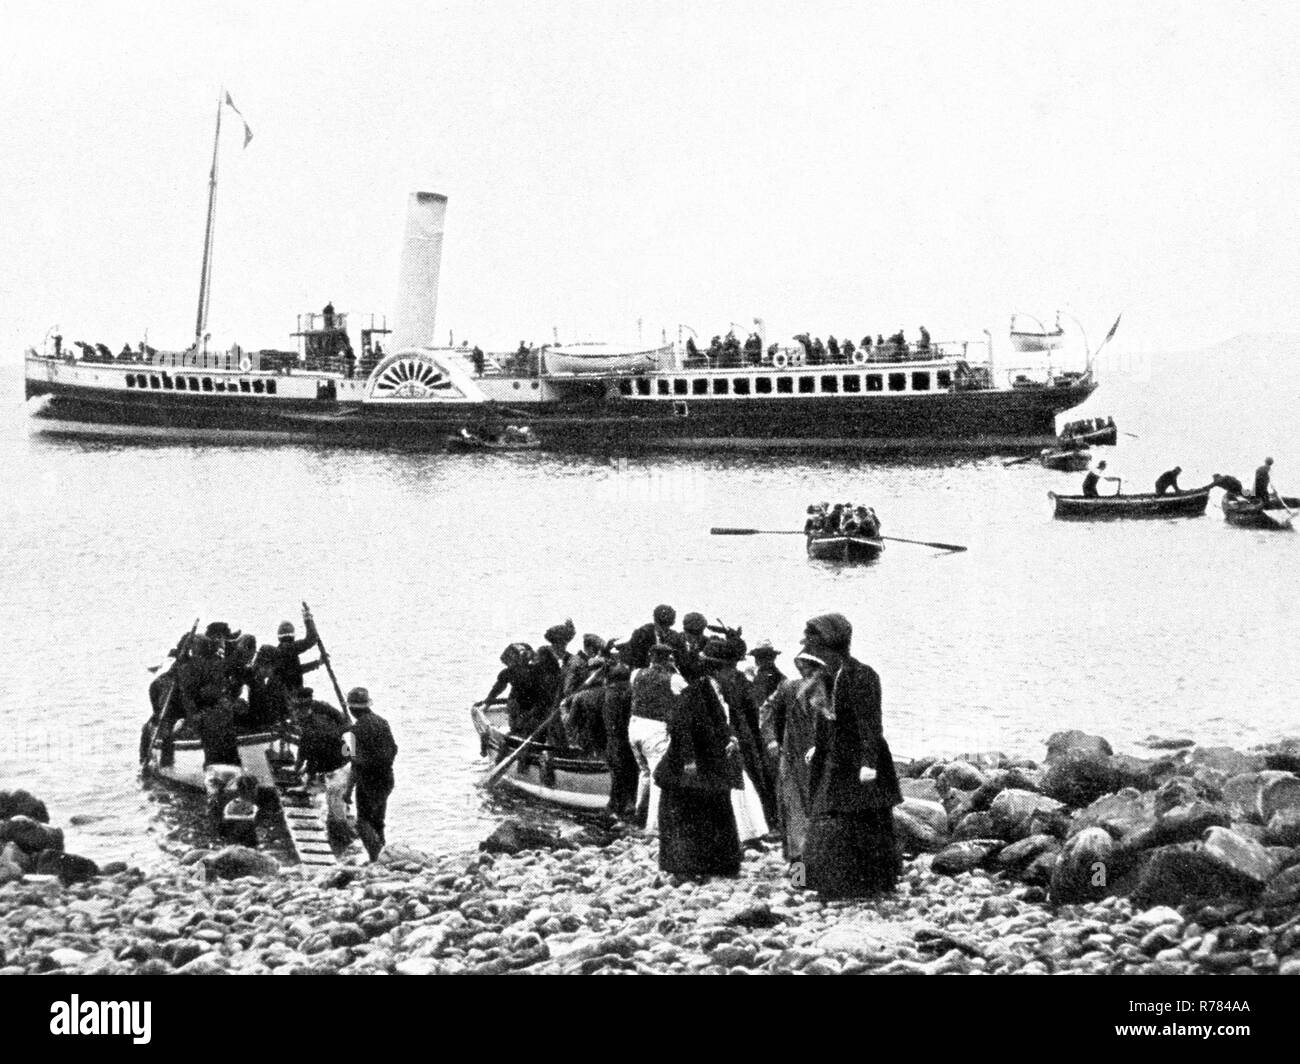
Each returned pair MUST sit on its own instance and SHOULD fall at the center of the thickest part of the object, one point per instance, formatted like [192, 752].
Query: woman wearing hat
[787, 722]
[850, 850]
[696, 777]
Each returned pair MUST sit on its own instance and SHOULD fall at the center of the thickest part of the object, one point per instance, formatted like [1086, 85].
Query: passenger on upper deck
[923, 344]
[846, 350]
[479, 360]
[328, 315]
[832, 349]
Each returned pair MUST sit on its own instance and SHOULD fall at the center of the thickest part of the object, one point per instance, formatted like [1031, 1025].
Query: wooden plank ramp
[303, 812]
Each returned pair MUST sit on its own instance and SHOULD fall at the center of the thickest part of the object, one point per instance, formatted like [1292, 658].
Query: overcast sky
[836, 167]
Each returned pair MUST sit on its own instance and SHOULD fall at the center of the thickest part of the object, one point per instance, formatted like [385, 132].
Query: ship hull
[984, 421]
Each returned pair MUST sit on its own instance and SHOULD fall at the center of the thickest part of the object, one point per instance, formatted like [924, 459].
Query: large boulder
[1038, 872]
[236, 861]
[1281, 793]
[962, 856]
[977, 825]
[1014, 812]
[1182, 790]
[1019, 854]
[1227, 760]
[916, 834]
[924, 789]
[1063, 745]
[514, 836]
[1239, 857]
[1283, 828]
[1139, 772]
[960, 776]
[1242, 793]
[1283, 889]
[1182, 823]
[31, 835]
[1172, 875]
[67, 866]
[1078, 777]
[22, 803]
[1083, 871]
[1121, 814]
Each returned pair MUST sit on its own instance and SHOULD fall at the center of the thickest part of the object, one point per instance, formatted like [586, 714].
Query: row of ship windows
[198, 384]
[810, 384]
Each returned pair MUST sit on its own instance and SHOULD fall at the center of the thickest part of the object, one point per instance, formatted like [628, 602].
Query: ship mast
[205, 278]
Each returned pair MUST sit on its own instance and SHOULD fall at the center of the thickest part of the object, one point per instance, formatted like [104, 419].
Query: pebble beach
[1200, 873]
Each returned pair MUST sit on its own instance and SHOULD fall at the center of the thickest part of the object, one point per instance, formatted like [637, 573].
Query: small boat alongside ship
[1036, 340]
[1245, 511]
[1094, 432]
[1190, 503]
[512, 438]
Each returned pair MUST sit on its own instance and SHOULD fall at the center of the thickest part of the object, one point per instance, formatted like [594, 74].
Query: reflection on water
[420, 568]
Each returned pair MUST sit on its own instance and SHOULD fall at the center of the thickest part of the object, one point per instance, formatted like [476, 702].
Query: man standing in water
[372, 769]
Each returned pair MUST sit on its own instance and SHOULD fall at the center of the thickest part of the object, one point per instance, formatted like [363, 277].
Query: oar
[491, 778]
[927, 543]
[1290, 514]
[181, 648]
[325, 657]
[789, 532]
[1019, 461]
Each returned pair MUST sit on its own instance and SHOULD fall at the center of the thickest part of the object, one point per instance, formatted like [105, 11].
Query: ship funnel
[417, 285]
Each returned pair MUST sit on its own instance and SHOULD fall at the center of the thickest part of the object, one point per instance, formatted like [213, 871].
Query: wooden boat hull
[186, 769]
[561, 777]
[852, 549]
[1066, 461]
[1245, 512]
[1105, 437]
[1147, 505]
[460, 443]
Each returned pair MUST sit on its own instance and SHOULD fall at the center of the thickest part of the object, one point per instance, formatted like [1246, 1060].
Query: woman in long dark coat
[850, 850]
[788, 723]
[697, 827]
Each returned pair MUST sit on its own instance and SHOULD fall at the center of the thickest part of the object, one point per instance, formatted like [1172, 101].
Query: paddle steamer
[397, 387]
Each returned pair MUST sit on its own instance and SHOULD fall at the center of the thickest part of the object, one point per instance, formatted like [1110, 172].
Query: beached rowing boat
[1145, 505]
[559, 775]
[1066, 461]
[186, 767]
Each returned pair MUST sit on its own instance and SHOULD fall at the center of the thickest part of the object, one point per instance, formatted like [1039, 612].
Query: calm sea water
[421, 568]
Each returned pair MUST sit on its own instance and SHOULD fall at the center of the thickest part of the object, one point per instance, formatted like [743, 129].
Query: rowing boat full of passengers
[398, 386]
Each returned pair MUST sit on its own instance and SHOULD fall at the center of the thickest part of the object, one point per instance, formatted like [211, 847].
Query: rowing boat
[513, 439]
[839, 548]
[1070, 461]
[559, 775]
[1246, 512]
[1076, 434]
[186, 765]
[1144, 505]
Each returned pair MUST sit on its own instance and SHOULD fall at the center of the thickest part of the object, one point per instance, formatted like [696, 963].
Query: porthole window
[920, 382]
[830, 384]
[721, 386]
[663, 387]
[852, 383]
[785, 385]
[943, 378]
[763, 386]
[270, 387]
[680, 387]
[875, 382]
[625, 387]
[740, 386]
[898, 382]
[642, 386]
[244, 386]
[257, 387]
[807, 385]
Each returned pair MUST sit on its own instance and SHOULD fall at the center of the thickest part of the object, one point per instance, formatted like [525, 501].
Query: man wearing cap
[552, 660]
[286, 667]
[659, 630]
[693, 640]
[526, 707]
[374, 751]
[850, 850]
[655, 690]
[202, 678]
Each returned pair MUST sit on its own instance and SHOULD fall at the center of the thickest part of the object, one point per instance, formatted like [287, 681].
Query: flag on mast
[1108, 335]
[248, 133]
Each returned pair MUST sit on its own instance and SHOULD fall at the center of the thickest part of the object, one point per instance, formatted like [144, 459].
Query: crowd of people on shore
[842, 519]
[712, 758]
[727, 352]
[219, 686]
